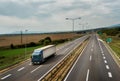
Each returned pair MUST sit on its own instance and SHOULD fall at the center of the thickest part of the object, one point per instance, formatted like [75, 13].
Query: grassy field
[115, 44]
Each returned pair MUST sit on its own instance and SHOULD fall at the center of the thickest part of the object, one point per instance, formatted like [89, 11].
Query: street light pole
[73, 24]
[73, 21]
[25, 44]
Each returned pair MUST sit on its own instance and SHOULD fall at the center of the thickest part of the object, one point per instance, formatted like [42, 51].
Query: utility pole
[21, 37]
[25, 44]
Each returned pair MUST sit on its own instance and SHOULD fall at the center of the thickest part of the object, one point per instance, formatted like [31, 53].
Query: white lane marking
[105, 61]
[104, 57]
[6, 76]
[90, 58]
[30, 63]
[92, 45]
[107, 67]
[110, 74]
[103, 54]
[36, 69]
[100, 45]
[101, 51]
[91, 49]
[21, 69]
[66, 49]
[87, 75]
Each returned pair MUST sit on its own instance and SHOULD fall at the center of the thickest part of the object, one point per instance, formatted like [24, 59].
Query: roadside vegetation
[16, 53]
[114, 34]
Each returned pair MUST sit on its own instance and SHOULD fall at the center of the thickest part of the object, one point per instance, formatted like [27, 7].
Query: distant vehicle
[41, 54]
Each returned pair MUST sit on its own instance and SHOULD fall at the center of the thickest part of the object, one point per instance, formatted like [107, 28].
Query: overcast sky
[49, 15]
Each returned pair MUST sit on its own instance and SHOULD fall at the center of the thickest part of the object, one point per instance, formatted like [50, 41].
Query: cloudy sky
[49, 15]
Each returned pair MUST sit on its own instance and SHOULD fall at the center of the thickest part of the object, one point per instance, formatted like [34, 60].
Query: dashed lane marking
[90, 58]
[104, 57]
[105, 61]
[107, 67]
[30, 63]
[103, 54]
[92, 45]
[6, 76]
[36, 69]
[87, 75]
[21, 69]
[110, 74]
[91, 49]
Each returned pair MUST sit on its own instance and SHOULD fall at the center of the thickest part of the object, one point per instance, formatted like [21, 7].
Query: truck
[41, 54]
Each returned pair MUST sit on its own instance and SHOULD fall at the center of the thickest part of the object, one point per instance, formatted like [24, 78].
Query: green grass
[116, 49]
[13, 56]
[115, 45]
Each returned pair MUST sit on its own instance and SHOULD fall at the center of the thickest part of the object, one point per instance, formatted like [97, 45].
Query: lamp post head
[67, 18]
[79, 17]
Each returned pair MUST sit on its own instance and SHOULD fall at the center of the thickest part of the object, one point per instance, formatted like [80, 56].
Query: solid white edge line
[21, 69]
[36, 69]
[75, 63]
[110, 74]
[57, 63]
[87, 75]
[6, 76]
[107, 67]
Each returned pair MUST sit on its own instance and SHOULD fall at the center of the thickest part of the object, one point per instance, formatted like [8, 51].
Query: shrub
[46, 42]
[12, 46]
[31, 44]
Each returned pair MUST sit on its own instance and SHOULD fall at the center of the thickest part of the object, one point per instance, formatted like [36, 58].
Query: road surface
[94, 64]
[28, 72]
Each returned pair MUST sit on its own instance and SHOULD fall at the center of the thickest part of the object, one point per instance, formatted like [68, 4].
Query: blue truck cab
[37, 57]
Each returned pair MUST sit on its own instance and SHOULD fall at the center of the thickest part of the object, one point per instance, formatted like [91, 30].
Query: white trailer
[39, 55]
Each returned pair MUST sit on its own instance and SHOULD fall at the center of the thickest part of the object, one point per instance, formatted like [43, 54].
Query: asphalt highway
[94, 64]
[28, 72]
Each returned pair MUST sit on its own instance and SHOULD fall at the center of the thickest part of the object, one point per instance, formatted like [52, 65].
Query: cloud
[47, 14]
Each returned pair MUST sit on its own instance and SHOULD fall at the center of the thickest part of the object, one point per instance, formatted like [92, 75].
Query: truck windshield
[35, 53]
[36, 56]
